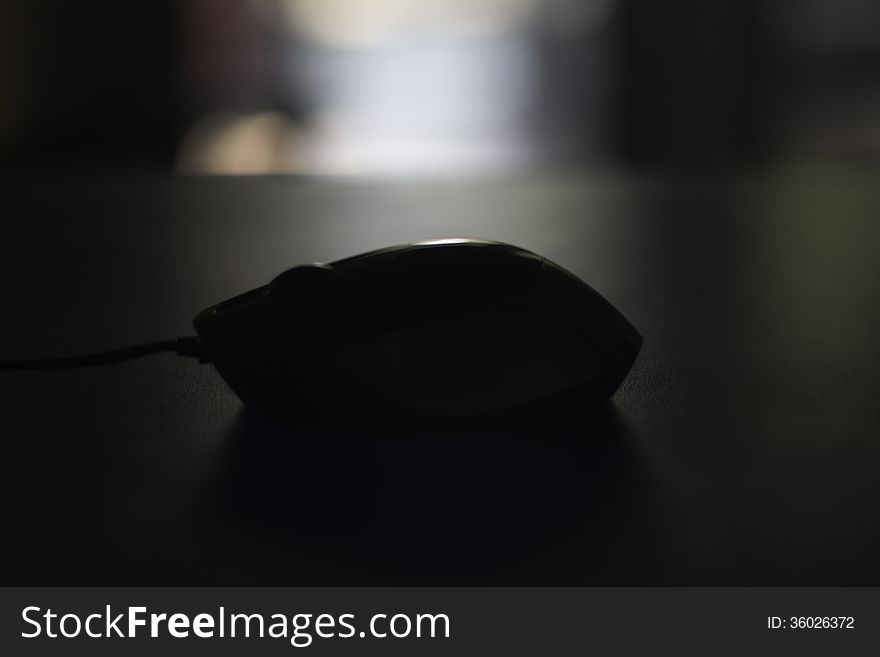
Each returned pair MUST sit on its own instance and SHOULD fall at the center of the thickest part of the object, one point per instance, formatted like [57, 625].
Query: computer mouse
[453, 327]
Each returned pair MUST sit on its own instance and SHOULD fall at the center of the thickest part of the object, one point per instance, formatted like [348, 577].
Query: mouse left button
[298, 277]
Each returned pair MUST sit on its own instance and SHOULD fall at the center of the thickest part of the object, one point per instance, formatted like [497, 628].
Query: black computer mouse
[456, 327]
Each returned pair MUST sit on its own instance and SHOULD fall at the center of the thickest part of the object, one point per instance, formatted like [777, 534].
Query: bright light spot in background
[259, 143]
[404, 87]
[397, 87]
[376, 23]
[430, 107]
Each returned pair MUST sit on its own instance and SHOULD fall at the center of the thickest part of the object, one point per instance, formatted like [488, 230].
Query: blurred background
[435, 87]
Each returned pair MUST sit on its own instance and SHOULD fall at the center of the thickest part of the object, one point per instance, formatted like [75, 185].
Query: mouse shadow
[556, 495]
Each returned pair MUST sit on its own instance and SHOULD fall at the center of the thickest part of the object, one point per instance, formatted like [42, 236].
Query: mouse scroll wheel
[299, 277]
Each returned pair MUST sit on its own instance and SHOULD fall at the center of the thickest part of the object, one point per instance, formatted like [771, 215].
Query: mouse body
[452, 328]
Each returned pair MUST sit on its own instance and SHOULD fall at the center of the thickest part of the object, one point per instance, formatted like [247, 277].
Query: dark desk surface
[743, 449]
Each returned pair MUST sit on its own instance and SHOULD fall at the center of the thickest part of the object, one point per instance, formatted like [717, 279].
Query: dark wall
[91, 82]
[690, 81]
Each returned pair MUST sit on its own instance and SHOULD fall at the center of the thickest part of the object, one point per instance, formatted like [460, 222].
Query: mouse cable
[188, 346]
